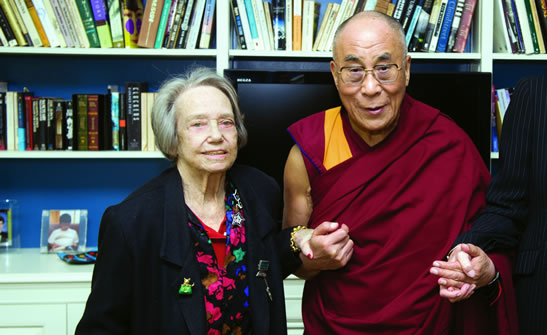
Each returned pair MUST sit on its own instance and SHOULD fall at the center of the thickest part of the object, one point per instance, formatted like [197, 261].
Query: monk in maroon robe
[387, 183]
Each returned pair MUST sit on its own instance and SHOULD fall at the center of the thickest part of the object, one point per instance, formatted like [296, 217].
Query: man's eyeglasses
[355, 74]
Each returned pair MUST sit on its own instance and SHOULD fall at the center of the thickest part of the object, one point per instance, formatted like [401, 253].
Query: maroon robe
[405, 201]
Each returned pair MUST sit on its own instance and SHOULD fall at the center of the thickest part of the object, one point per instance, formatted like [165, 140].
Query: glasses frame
[339, 72]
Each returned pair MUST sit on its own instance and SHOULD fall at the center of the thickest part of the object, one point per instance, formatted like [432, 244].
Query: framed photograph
[6, 228]
[64, 230]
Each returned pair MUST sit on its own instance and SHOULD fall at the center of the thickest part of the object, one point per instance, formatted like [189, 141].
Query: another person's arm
[329, 246]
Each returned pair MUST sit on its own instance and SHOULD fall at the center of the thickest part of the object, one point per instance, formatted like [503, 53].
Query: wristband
[295, 248]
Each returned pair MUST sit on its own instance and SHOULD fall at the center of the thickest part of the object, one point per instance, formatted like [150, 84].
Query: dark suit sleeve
[109, 304]
[501, 224]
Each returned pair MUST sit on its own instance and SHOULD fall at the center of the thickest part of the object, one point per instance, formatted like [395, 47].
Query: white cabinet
[42, 295]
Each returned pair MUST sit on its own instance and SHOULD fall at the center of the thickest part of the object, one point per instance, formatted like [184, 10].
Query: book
[6, 29]
[383, 6]
[245, 24]
[13, 23]
[541, 6]
[169, 23]
[64, 25]
[307, 25]
[527, 37]
[195, 24]
[59, 110]
[446, 25]
[76, 20]
[50, 123]
[408, 13]
[322, 26]
[238, 26]
[399, 10]
[37, 24]
[28, 22]
[106, 127]
[100, 12]
[35, 111]
[115, 17]
[255, 37]
[185, 25]
[150, 23]
[278, 23]
[463, 30]
[288, 24]
[133, 113]
[455, 24]
[207, 25]
[132, 21]
[11, 120]
[297, 25]
[340, 17]
[115, 115]
[323, 43]
[269, 23]
[418, 37]
[86, 17]
[21, 118]
[3, 39]
[413, 22]
[68, 126]
[28, 123]
[177, 21]
[3, 117]
[21, 22]
[501, 42]
[438, 25]
[537, 27]
[79, 105]
[162, 26]
[122, 139]
[93, 122]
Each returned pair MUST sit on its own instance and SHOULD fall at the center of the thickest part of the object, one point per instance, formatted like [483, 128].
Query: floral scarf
[226, 289]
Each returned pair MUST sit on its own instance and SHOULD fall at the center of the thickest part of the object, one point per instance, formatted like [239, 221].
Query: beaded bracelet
[294, 248]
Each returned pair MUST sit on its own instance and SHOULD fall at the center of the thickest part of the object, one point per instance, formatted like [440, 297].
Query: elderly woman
[197, 249]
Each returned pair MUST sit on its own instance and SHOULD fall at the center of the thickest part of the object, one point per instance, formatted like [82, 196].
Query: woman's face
[207, 135]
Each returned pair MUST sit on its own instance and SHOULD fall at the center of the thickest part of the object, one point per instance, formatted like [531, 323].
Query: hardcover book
[79, 105]
[37, 24]
[177, 21]
[207, 25]
[278, 18]
[150, 23]
[116, 23]
[236, 17]
[463, 31]
[134, 105]
[99, 11]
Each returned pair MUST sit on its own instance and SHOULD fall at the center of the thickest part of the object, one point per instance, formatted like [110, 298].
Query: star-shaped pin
[238, 254]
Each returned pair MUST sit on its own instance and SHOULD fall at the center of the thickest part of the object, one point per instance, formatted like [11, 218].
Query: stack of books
[429, 25]
[87, 122]
[169, 24]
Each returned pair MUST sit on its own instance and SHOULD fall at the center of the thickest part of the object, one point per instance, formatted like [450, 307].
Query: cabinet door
[74, 314]
[43, 319]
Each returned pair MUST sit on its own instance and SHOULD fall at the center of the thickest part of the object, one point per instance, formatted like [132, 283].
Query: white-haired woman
[197, 249]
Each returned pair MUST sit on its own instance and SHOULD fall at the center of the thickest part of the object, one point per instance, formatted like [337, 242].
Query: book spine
[260, 19]
[68, 126]
[407, 14]
[339, 19]
[6, 28]
[123, 121]
[20, 22]
[115, 117]
[150, 23]
[42, 123]
[278, 22]
[75, 18]
[29, 24]
[132, 17]
[55, 23]
[116, 23]
[455, 24]
[71, 23]
[59, 121]
[447, 23]
[50, 124]
[49, 29]
[536, 25]
[92, 122]
[28, 123]
[399, 9]
[236, 17]
[245, 24]
[36, 123]
[195, 24]
[530, 19]
[134, 106]
[413, 23]
[323, 44]
[81, 116]
[177, 21]
[169, 23]
[541, 6]
[297, 25]
[86, 15]
[62, 23]
[322, 26]
[257, 45]
[105, 121]
[21, 145]
[12, 21]
[37, 24]
[463, 31]
[185, 25]
[99, 11]
[3, 116]
[207, 26]
[162, 26]
[438, 24]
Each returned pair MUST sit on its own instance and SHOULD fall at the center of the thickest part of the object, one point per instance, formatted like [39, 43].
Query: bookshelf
[160, 63]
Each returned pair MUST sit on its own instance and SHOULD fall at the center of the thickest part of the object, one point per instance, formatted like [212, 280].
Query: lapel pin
[237, 219]
[186, 287]
[263, 266]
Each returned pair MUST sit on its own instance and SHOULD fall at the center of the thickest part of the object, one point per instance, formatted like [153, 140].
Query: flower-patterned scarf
[226, 289]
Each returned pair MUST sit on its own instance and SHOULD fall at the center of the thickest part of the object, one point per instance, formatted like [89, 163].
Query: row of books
[501, 98]
[107, 23]
[87, 122]
[429, 25]
[520, 26]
